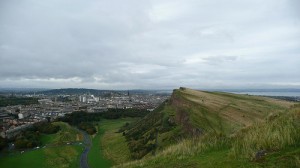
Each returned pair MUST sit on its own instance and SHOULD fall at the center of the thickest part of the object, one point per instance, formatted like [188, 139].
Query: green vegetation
[95, 156]
[65, 156]
[190, 114]
[3, 143]
[56, 154]
[83, 119]
[27, 139]
[278, 132]
[11, 101]
[113, 142]
[35, 158]
[76, 118]
[122, 113]
[109, 146]
[47, 138]
[88, 127]
[269, 138]
[279, 139]
[32, 136]
[46, 128]
[54, 157]
[66, 134]
[191, 129]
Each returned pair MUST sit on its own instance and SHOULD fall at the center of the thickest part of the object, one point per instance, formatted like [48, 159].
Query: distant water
[287, 94]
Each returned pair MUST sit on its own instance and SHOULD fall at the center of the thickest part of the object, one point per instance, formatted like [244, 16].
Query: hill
[81, 91]
[191, 114]
[74, 91]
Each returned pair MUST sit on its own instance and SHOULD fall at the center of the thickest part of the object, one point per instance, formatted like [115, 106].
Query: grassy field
[65, 156]
[114, 144]
[47, 138]
[109, 147]
[51, 157]
[95, 156]
[34, 158]
[56, 155]
[67, 134]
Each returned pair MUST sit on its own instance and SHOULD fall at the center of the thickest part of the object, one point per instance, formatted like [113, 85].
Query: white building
[45, 101]
[88, 99]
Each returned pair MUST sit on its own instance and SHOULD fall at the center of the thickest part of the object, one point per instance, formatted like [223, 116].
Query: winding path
[88, 144]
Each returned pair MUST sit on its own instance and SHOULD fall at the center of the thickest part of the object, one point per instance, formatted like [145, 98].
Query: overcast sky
[150, 44]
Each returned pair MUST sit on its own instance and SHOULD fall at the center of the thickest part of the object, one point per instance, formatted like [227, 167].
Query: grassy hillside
[54, 152]
[113, 143]
[274, 143]
[267, 132]
[190, 113]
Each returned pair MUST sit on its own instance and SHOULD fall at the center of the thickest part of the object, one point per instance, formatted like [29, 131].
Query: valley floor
[109, 147]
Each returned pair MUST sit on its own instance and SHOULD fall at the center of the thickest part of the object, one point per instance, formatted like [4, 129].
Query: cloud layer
[149, 44]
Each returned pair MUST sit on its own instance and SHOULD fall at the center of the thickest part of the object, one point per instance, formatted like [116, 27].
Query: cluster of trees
[27, 139]
[3, 143]
[10, 101]
[46, 128]
[76, 118]
[81, 119]
[120, 113]
[31, 137]
[88, 127]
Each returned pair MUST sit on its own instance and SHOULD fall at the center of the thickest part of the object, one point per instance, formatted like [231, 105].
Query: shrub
[46, 128]
[88, 127]
[3, 143]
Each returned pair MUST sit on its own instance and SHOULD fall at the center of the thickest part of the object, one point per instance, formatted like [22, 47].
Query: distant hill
[80, 91]
[191, 113]
[74, 91]
[20, 90]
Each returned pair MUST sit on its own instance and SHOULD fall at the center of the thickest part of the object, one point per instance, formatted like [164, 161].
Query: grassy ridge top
[266, 136]
[190, 113]
[227, 111]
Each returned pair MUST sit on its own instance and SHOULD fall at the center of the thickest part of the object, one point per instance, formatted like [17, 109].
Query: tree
[3, 143]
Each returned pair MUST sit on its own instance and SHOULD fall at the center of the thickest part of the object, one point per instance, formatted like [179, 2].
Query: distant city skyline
[150, 44]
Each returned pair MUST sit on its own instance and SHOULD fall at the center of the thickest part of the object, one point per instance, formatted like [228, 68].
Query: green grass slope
[54, 152]
[272, 143]
[109, 146]
[190, 113]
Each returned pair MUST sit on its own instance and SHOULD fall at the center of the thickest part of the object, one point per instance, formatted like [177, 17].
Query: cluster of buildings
[88, 99]
[14, 119]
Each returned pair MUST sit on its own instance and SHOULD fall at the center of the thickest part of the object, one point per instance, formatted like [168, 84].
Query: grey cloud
[149, 44]
[215, 60]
